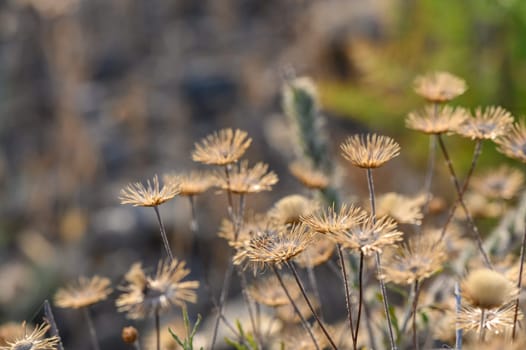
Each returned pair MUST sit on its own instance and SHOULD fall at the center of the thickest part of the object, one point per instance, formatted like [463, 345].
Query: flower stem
[296, 309]
[91, 328]
[302, 289]
[415, 305]
[194, 225]
[471, 222]
[157, 329]
[347, 292]
[360, 299]
[482, 325]
[163, 234]
[519, 284]
[458, 306]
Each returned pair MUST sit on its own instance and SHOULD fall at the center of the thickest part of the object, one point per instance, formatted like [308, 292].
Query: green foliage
[246, 340]
[188, 342]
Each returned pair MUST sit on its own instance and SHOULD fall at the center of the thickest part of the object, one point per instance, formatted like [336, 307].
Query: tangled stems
[460, 199]
[302, 289]
[519, 285]
[370, 184]
[303, 321]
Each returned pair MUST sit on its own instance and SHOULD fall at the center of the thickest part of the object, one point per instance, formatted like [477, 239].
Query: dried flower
[289, 209]
[439, 86]
[332, 221]
[252, 223]
[145, 295]
[273, 246]
[129, 335]
[190, 184]
[308, 176]
[87, 291]
[503, 183]
[245, 180]
[488, 289]
[405, 210]
[369, 151]
[487, 124]
[150, 195]
[34, 340]
[420, 258]
[496, 320]
[437, 120]
[317, 253]
[370, 235]
[268, 291]
[222, 147]
[513, 144]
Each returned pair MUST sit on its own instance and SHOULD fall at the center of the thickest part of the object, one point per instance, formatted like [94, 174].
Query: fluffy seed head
[222, 147]
[319, 252]
[437, 120]
[150, 195]
[289, 209]
[331, 221]
[439, 86]
[513, 144]
[369, 151]
[503, 183]
[405, 210]
[488, 289]
[487, 124]
[190, 184]
[244, 180]
[34, 340]
[87, 291]
[308, 176]
[496, 320]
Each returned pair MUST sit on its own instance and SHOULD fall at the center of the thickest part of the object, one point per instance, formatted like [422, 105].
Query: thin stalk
[304, 293]
[91, 329]
[248, 301]
[471, 222]
[370, 184]
[163, 234]
[51, 320]
[415, 304]
[296, 309]
[360, 299]
[194, 225]
[519, 284]
[157, 329]
[347, 293]
[482, 325]
[369, 327]
[458, 306]
[428, 182]
[476, 154]
[314, 284]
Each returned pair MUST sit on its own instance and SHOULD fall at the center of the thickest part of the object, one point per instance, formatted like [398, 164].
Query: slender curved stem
[482, 325]
[360, 299]
[91, 328]
[157, 329]
[454, 179]
[415, 305]
[370, 184]
[519, 284]
[296, 309]
[163, 234]
[347, 292]
[304, 293]
[248, 302]
[194, 225]
[314, 284]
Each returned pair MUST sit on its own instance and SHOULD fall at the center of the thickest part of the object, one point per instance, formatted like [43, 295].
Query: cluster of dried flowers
[412, 240]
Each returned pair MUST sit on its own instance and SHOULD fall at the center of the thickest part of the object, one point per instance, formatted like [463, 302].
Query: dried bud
[130, 334]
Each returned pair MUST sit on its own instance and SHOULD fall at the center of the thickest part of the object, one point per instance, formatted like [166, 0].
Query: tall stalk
[163, 234]
[428, 182]
[458, 307]
[482, 325]
[157, 329]
[519, 284]
[416, 292]
[347, 293]
[370, 184]
[91, 328]
[304, 293]
[360, 299]
[471, 222]
[296, 309]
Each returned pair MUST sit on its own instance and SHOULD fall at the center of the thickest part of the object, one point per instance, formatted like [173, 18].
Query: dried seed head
[35, 340]
[439, 86]
[252, 223]
[244, 180]
[331, 221]
[268, 291]
[488, 289]
[87, 291]
[319, 252]
[289, 209]
[222, 147]
[488, 124]
[308, 176]
[437, 120]
[369, 151]
[496, 320]
[405, 210]
[190, 184]
[150, 195]
[503, 183]
[513, 144]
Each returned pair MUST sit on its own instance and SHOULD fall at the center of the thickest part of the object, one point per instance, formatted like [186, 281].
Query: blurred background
[95, 94]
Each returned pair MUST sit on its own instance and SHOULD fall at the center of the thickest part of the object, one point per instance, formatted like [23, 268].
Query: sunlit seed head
[223, 147]
[332, 221]
[289, 209]
[190, 184]
[487, 124]
[245, 180]
[487, 289]
[150, 195]
[437, 119]
[308, 176]
[369, 151]
[439, 86]
[513, 144]
[85, 292]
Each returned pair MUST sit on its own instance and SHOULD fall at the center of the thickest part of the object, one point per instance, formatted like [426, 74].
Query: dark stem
[369, 327]
[230, 208]
[519, 284]
[224, 292]
[91, 328]
[482, 325]
[347, 292]
[471, 222]
[458, 307]
[163, 234]
[360, 299]
[415, 305]
[157, 329]
[370, 184]
[314, 284]
[248, 302]
[296, 309]
[304, 293]
[51, 320]
[194, 226]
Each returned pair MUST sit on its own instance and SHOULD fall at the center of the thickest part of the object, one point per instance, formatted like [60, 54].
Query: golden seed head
[85, 292]
[222, 147]
[150, 195]
[405, 210]
[251, 223]
[268, 291]
[503, 183]
[369, 151]
[35, 340]
[190, 184]
[273, 247]
[332, 221]
[487, 124]
[439, 86]
[244, 180]
[370, 235]
[488, 289]
[129, 335]
[143, 295]
[496, 320]
[308, 176]
[513, 144]
[289, 209]
[437, 120]
[417, 260]
[319, 252]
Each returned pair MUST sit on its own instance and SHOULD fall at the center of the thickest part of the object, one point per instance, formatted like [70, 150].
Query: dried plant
[223, 147]
[369, 151]
[35, 340]
[439, 86]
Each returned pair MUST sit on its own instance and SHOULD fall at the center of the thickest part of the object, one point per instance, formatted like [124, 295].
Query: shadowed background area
[95, 94]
